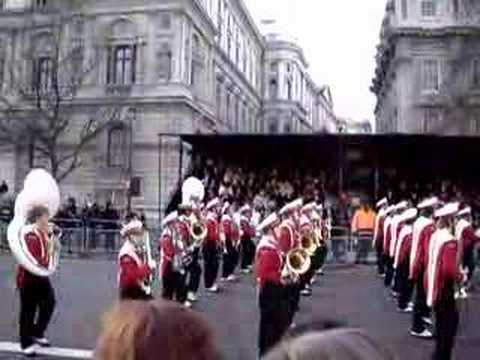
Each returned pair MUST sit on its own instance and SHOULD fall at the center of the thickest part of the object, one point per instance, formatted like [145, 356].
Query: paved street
[86, 288]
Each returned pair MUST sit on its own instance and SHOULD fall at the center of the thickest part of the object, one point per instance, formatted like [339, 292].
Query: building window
[289, 89]
[274, 66]
[404, 9]
[431, 120]
[273, 89]
[197, 62]
[287, 128]
[40, 4]
[165, 21]
[121, 65]
[164, 58]
[272, 126]
[429, 8]
[431, 75]
[218, 95]
[227, 107]
[42, 73]
[117, 145]
[237, 50]
[476, 73]
[475, 126]
[455, 6]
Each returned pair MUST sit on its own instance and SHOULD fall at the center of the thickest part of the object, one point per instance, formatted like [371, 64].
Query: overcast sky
[339, 39]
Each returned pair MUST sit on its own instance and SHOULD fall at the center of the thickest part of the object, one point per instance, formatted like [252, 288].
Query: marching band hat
[268, 222]
[134, 226]
[244, 209]
[410, 214]
[389, 209]
[309, 207]
[212, 203]
[427, 203]
[225, 207]
[382, 202]
[447, 210]
[292, 206]
[402, 205]
[465, 211]
[170, 218]
[315, 216]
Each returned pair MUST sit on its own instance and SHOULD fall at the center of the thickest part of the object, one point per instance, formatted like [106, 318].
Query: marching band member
[325, 234]
[465, 234]
[390, 227]
[228, 237]
[135, 269]
[307, 229]
[272, 298]
[318, 258]
[172, 268]
[423, 228]
[402, 260]
[443, 275]
[397, 225]
[288, 240]
[34, 242]
[247, 233]
[211, 246]
[382, 206]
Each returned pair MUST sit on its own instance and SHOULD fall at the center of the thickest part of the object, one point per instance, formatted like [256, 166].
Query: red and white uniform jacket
[171, 245]
[387, 234]
[247, 230]
[288, 237]
[466, 236]
[404, 244]
[395, 229]
[423, 229]
[269, 262]
[36, 243]
[378, 230]
[229, 230]
[133, 269]
[442, 266]
[213, 229]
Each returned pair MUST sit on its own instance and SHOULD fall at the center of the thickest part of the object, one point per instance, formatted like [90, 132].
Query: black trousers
[420, 307]
[274, 321]
[293, 300]
[174, 285]
[210, 263]
[134, 293]
[446, 326]
[247, 252]
[389, 271]
[194, 272]
[469, 261]
[403, 284]
[230, 259]
[37, 302]
[380, 257]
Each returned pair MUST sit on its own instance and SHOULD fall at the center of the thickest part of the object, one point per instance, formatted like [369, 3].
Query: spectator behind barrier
[341, 344]
[139, 330]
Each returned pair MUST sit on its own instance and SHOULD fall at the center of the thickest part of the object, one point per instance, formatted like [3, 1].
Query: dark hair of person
[35, 213]
[338, 344]
[316, 325]
[141, 330]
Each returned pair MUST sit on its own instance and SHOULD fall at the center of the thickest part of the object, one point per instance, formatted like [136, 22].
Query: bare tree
[39, 113]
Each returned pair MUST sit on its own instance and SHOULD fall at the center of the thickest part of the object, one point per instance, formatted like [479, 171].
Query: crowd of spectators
[137, 330]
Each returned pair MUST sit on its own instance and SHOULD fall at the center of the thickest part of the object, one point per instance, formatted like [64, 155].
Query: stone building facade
[171, 67]
[427, 78]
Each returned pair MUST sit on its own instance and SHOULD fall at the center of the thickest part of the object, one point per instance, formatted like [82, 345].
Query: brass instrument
[309, 243]
[54, 235]
[297, 263]
[198, 231]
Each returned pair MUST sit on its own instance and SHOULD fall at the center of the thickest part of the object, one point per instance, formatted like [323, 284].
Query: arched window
[117, 146]
[44, 70]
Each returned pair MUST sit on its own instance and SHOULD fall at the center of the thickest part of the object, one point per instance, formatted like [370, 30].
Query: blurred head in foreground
[156, 330]
[338, 344]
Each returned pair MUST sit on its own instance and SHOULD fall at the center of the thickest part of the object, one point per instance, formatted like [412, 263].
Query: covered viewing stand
[360, 163]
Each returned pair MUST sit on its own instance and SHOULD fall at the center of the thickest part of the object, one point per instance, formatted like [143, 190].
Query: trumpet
[297, 263]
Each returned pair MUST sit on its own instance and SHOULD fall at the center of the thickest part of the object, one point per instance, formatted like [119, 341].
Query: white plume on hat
[382, 202]
[447, 210]
[133, 225]
[267, 222]
[465, 211]
[170, 218]
[409, 214]
[427, 203]
[212, 203]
